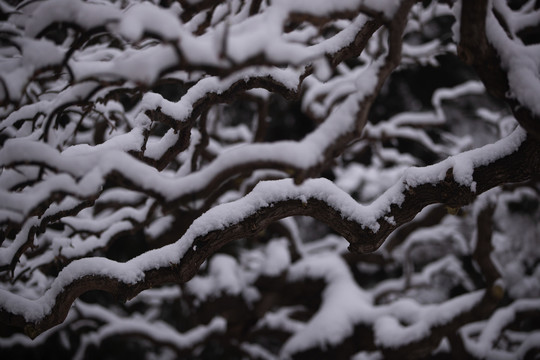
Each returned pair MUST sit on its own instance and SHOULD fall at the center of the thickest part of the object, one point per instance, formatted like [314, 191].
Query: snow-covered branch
[295, 179]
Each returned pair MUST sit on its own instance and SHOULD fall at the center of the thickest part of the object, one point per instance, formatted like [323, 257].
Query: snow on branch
[488, 32]
[269, 179]
[451, 182]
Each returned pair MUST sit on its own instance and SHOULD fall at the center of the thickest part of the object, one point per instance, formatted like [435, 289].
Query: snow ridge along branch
[365, 227]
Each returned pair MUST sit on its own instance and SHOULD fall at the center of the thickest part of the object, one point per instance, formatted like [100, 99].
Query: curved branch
[365, 227]
[212, 90]
[484, 344]
[477, 50]
[314, 152]
[212, 179]
[310, 156]
[159, 333]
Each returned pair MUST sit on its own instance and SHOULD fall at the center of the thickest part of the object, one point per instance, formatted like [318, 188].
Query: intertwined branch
[113, 126]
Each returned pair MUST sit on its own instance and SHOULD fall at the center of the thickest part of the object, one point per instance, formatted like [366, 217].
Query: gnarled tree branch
[365, 227]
